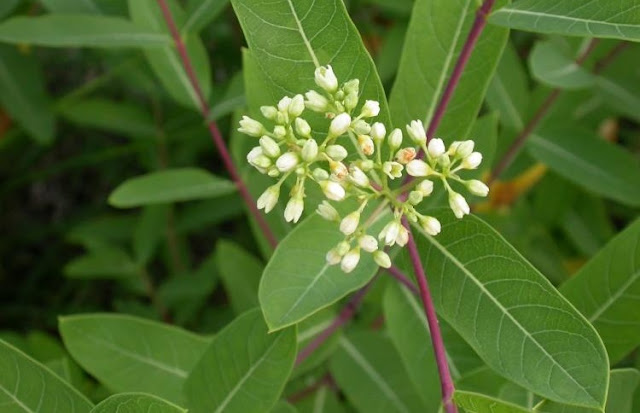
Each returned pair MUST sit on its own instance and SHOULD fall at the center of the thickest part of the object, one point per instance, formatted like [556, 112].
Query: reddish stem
[399, 275]
[216, 136]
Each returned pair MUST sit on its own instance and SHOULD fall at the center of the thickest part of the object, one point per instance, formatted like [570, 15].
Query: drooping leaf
[607, 291]
[27, 386]
[132, 354]
[553, 66]
[108, 262]
[596, 18]
[150, 229]
[240, 273]
[202, 12]
[171, 185]
[136, 403]
[479, 403]
[437, 31]
[75, 30]
[243, 370]
[511, 315]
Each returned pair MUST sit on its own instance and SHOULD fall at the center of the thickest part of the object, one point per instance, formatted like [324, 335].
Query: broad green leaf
[289, 39]
[74, 30]
[515, 394]
[103, 263]
[165, 61]
[481, 380]
[26, 386]
[132, 354]
[553, 66]
[243, 370]
[23, 94]
[587, 225]
[240, 273]
[511, 315]
[618, 85]
[283, 407]
[149, 231]
[171, 185]
[607, 291]
[324, 400]
[298, 281]
[391, 50]
[7, 6]
[370, 373]
[72, 6]
[479, 403]
[136, 403]
[597, 18]
[589, 161]
[437, 31]
[202, 12]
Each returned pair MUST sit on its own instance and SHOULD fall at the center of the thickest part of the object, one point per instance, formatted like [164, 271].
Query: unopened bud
[378, 131]
[425, 187]
[332, 190]
[269, 112]
[415, 197]
[296, 107]
[349, 223]
[477, 187]
[458, 204]
[320, 174]
[350, 260]
[361, 127]
[303, 128]
[418, 167]
[472, 161]
[371, 108]
[358, 177]
[339, 125]
[287, 161]
[283, 105]
[251, 127]
[336, 152]
[435, 148]
[382, 259]
[366, 144]
[316, 102]
[269, 198]
[310, 150]
[269, 147]
[327, 211]
[326, 79]
[368, 243]
[395, 139]
[416, 132]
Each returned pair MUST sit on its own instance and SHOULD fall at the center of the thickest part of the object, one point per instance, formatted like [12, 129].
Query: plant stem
[399, 275]
[446, 381]
[216, 136]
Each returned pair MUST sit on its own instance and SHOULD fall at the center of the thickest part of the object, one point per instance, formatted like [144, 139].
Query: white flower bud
[333, 257]
[395, 139]
[287, 161]
[368, 243]
[405, 155]
[336, 152]
[350, 101]
[425, 187]
[464, 149]
[403, 236]
[316, 102]
[310, 150]
[320, 174]
[296, 107]
[472, 161]
[430, 225]
[251, 127]
[254, 153]
[365, 164]
[458, 204]
[332, 190]
[390, 232]
[326, 79]
[415, 197]
[418, 167]
[366, 144]
[392, 169]
[269, 147]
[361, 127]
[382, 259]
[358, 177]
[269, 112]
[343, 247]
[257, 158]
[352, 87]
[350, 260]
[339, 170]
[453, 148]
[302, 127]
[435, 148]
[378, 131]
[339, 125]
[327, 211]
[371, 108]
[416, 132]
[294, 209]
[349, 224]
[269, 198]
[444, 160]
[283, 105]
[477, 187]
[273, 172]
[280, 131]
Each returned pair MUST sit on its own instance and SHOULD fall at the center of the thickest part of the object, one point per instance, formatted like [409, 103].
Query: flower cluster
[288, 149]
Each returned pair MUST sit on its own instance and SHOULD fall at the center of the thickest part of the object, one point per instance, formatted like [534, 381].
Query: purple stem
[399, 275]
[216, 136]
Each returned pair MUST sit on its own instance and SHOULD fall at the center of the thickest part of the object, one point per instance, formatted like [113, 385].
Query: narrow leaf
[106, 262]
[479, 403]
[556, 68]
[136, 403]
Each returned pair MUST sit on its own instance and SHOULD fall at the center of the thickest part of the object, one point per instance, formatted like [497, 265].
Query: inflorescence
[290, 150]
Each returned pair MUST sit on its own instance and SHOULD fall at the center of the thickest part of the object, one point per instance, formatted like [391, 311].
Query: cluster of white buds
[289, 149]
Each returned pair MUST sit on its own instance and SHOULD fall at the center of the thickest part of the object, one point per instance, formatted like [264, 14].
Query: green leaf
[240, 273]
[283, 407]
[589, 161]
[324, 400]
[23, 94]
[314, 34]
[136, 403]
[555, 67]
[436, 34]
[27, 386]
[511, 315]
[132, 354]
[244, 369]
[165, 61]
[298, 281]
[308, 330]
[597, 18]
[103, 263]
[370, 373]
[171, 185]
[202, 12]
[7, 6]
[618, 85]
[149, 231]
[479, 403]
[71, 6]
[607, 291]
[74, 30]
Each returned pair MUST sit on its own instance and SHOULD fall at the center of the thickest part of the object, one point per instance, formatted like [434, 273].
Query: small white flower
[269, 147]
[358, 177]
[254, 153]
[378, 131]
[430, 225]
[453, 148]
[371, 108]
[395, 139]
[360, 127]
[333, 257]
[352, 87]
[332, 190]
[392, 169]
[269, 198]
[339, 125]
[477, 187]
[416, 132]
[403, 236]
[405, 155]
[368, 243]
[326, 79]
[294, 209]
[296, 107]
[339, 170]
[472, 161]
[418, 167]
[287, 161]
[309, 150]
[390, 232]
[349, 224]
[350, 260]
[269, 112]
[336, 152]
[426, 187]
[279, 131]
[382, 259]
[444, 160]
[350, 101]
[415, 197]
[366, 144]
[320, 174]
[365, 164]
[283, 105]
[302, 127]
[458, 204]
[464, 149]
[258, 159]
[316, 102]
[435, 147]
[327, 211]
[251, 127]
